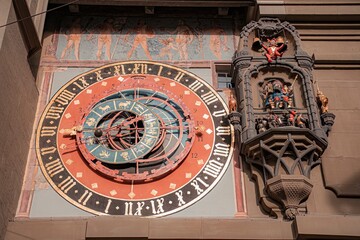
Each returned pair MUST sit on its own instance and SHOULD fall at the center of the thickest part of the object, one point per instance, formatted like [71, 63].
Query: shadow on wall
[342, 189]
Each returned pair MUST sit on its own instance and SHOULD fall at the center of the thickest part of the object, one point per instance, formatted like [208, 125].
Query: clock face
[134, 138]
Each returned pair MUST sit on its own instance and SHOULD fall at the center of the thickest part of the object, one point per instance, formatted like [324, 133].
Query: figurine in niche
[301, 122]
[273, 120]
[232, 103]
[277, 95]
[291, 118]
[296, 120]
[323, 101]
[262, 124]
[288, 95]
[275, 49]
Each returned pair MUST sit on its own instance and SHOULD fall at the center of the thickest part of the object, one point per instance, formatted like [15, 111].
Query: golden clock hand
[69, 132]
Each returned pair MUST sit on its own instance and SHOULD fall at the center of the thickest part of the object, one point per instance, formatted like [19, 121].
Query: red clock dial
[134, 138]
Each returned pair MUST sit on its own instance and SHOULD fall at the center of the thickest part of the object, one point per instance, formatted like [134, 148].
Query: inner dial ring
[161, 129]
[127, 113]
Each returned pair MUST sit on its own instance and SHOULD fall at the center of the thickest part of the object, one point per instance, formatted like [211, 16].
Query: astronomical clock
[134, 138]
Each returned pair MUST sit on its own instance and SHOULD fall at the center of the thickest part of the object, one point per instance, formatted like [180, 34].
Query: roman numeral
[179, 76]
[223, 131]
[140, 206]
[139, 67]
[160, 70]
[209, 98]
[98, 76]
[117, 70]
[85, 197]
[47, 150]
[65, 97]
[108, 206]
[222, 149]
[47, 131]
[220, 113]
[54, 167]
[54, 112]
[213, 168]
[180, 198]
[157, 207]
[128, 208]
[67, 184]
[82, 84]
[196, 185]
[196, 85]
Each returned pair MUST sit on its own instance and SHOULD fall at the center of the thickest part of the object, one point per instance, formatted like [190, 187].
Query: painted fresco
[124, 38]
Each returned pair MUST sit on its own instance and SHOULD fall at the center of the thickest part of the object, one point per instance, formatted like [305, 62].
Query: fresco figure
[143, 32]
[184, 37]
[104, 38]
[168, 46]
[108, 38]
[218, 41]
[73, 39]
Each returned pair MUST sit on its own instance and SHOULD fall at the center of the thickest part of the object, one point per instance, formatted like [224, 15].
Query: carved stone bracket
[328, 120]
[290, 191]
[235, 120]
[285, 157]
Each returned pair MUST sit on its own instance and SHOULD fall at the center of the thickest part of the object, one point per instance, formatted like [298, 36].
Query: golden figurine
[232, 103]
[323, 101]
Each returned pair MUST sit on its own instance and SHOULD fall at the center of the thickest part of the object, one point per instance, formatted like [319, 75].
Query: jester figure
[272, 51]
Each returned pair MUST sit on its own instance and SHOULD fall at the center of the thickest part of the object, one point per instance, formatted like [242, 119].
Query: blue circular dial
[134, 124]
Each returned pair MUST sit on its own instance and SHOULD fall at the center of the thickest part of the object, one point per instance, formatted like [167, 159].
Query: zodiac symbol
[125, 155]
[151, 124]
[104, 154]
[149, 141]
[140, 149]
[90, 122]
[105, 108]
[152, 131]
[91, 141]
[124, 104]
[148, 116]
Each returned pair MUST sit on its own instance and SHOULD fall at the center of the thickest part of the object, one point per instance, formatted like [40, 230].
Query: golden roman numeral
[179, 76]
[54, 112]
[67, 184]
[54, 167]
[65, 97]
[47, 131]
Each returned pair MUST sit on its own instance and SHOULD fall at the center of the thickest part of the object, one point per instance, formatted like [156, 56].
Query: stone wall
[18, 101]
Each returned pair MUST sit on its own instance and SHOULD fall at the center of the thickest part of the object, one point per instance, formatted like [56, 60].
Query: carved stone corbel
[285, 157]
[290, 191]
[328, 120]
